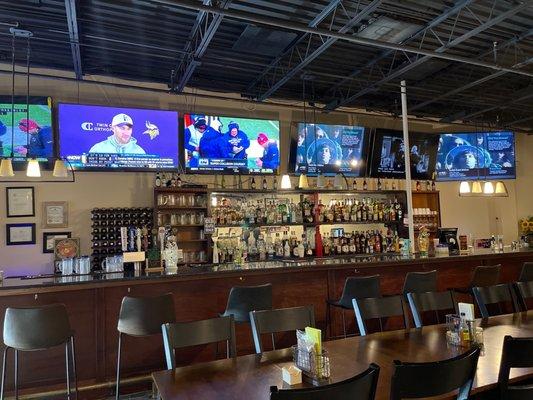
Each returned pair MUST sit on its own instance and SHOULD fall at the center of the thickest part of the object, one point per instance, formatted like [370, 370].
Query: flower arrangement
[526, 225]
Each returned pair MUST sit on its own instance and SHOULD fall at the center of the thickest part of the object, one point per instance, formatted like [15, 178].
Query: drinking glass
[67, 266]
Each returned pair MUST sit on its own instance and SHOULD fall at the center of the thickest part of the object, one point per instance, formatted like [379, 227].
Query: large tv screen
[215, 143]
[388, 154]
[98, 138]
[33, 134]
[328, 149]
[487, 155]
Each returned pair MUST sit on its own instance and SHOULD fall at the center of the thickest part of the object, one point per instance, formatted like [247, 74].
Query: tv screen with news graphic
[215, 143]
[388, 154]
[96, 137]
[328, 149]
[485, 155]
[30, 127]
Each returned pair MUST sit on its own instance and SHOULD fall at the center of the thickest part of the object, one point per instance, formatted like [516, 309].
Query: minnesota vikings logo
[151, 130]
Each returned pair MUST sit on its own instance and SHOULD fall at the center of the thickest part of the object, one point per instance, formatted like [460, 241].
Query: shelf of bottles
[106, 225]
[266, 224]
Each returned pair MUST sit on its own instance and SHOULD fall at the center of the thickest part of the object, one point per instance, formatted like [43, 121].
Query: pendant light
[303, 182]
[488, 188]
[464, 188]
[476, 187]
[6, 166]
[320, 181]
[33, 169]
[60, 169]
[286, 182]
[338, 181]
[501, 189]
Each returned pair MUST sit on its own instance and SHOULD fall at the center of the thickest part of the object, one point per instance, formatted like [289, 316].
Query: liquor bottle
[301, 247]
[157, 180]
[428, 185]
[223, 182]
[393, 186]
[319, 245]
[275, 183]
[239, 183]
[264, 184]
[354, 184]
[179, 183]
[172, 180]
[252, 184]
[433, 186]
[379, 184]
[418, 186]
[287, 249]
[365, 185]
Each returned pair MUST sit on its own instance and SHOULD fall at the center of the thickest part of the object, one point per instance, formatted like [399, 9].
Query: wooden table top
[250, 376]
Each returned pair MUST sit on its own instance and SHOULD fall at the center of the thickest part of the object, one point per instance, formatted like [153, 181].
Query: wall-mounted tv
[33, 134]
[484, 155]
[100, 138]
[388, 154]
[328, 149]
[215, 143]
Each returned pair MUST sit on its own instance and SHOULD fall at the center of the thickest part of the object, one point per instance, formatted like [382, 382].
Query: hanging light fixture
[488, 188]
[338, 181]
[303, 182]
[476, 187]
[464, 188]
[6, 168]
[286, 182]
[501, 189]
[320, 181]
[33, 170]
[60, 169]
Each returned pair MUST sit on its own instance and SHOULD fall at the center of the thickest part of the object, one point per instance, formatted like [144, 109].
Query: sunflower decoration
[526, 225]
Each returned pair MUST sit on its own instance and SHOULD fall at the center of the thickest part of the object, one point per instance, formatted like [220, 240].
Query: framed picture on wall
[55, 214]
[66, 248]
[20, 202]
[49, 240]
[18, 234]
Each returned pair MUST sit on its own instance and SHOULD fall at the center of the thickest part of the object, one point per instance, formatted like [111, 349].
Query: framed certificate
[20, 202]
[18, 234]
[55, 214]
[49, 240]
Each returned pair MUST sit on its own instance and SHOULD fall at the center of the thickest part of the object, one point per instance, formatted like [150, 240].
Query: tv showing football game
[98, 138]
[328, 149]
[486, 155]
[230, 144]
[30, 127]
[388, 154]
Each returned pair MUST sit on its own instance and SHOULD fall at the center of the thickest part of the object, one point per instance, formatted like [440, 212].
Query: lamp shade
[303, 182]
[464, 188]
[488, 188]
[60, 169]
[286, 182]
[476, 187]
[33, 170]
[6, 168]
[501, 189]
[320, 181]
[338, 182]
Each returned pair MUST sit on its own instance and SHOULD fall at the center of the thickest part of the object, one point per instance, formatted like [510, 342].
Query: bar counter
[200, 292]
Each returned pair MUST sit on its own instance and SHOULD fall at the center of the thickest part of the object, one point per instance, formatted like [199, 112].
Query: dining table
[251, 376]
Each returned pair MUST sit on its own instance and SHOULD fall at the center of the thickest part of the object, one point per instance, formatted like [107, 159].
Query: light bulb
[286, 182]
[33, 170]
[60, 169]
[464, 188]
[6, 168]
[488, 188]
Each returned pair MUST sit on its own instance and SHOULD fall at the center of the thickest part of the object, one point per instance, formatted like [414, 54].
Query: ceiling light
[33, 170]
[6, 168]
[338, 182]
[501, 189]
[464, 188]
[320, 181]
[488, 188]
[303, 182]
[286, 182]
[476, 187]
[60, 169]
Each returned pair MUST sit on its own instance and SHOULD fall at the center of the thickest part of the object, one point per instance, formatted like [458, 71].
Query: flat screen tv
[33, 134]
[219, 144]
[483, 155]
[388, 154]
[328, 149]
[96, 138]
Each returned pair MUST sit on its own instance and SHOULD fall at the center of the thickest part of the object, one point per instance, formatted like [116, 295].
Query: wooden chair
[526, 274]
[516, 353]
[494, 296]
[430, 302]
[524, 292]
[377, 308]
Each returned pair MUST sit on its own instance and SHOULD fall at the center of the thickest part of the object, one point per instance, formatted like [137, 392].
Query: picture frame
[20, 234]
[66, 248]
[49, 240]
[20, 201]
[55, 214]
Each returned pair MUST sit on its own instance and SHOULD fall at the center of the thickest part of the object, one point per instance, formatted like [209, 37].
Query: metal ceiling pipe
[251, 17]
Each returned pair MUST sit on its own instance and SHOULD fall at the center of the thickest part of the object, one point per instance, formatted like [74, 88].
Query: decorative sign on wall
[55, 214]
[49, 240]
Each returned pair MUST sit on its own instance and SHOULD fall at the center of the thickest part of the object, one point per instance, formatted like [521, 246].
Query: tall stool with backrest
[420, 282]
[494, 295]
[421, 380]
[280, 320]
[185, 334]
[141, 317]
[526, 274]
[243, 299]
[377, 308]
[524, 292]
[40, 328]
[516, 353]
[430, 301]
[360, 387]
[483, 275]
[355, 287]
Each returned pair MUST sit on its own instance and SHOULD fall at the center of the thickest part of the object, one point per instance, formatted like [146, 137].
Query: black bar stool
[483, 276]
[355, 287]
[527, 272]
[420, 282]
[141, 317]
[39, 328]
[243, 299]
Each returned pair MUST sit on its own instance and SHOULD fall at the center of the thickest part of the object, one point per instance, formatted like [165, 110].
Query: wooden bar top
[250, 377]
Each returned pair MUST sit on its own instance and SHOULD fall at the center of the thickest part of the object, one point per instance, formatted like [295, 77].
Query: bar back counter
[201, 292]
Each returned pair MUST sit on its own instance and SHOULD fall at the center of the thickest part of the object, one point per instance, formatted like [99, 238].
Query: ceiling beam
[480, 81]
[200, 37]
[370, 8]
[72, 23]
[312, 24]
[290, 25]
[419, 61]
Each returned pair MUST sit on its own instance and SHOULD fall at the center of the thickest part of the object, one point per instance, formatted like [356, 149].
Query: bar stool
[355, 287]
[39, 328]
[527, 272]
[141, 317]
[420, 282]
[243, 299]
[483, 276]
